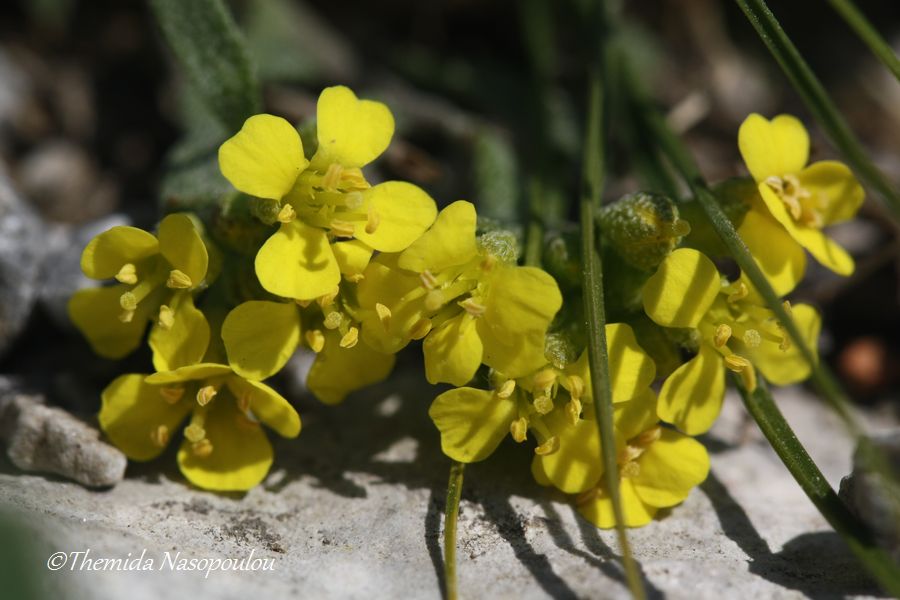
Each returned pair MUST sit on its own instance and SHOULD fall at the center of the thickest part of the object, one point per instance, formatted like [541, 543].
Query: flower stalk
[451, 515]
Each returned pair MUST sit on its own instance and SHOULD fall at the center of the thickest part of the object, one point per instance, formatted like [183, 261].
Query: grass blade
[868, 34]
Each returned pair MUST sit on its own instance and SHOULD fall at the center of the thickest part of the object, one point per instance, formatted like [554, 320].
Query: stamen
[171, 394]
[286, 214]
[752, 338]
[179, 280]
[723, 334]
[166, 317]
[372, 221]
[740, 293]
[648, 437]
[518, 429]
[573, 410]
[127, 274]
[420, 329]
[333, 320]
[194, 432]
[160, 436]
[429, 281]
[206, 394]
[303, 303]
[543, 404]
[384, 314]
[679, 228]
[576, 386]
[506, 390]
[202, 449]
[628, 453]
[786, 305]
[353, 200]
[630, 470]
[544, 379]
[786, 342]
[473, 307]
[342, 228]
[737, 363]
[326, 300]
[748, 376]
[126, 316]
[434, 300]
[548, 447]
[244, 403]
[332, 176]
[350, 338]
[316, 340]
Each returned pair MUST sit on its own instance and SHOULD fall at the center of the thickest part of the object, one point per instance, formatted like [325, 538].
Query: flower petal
[472, 422]
[185, 342]
[669, 468]
[449, 242]
[691, 397]
[353, 257]
[453, 352]
[297, 262]
[241, 454]
[773, 148]
[108, 252]
[189, 373]
[267, 405]
[834, 189]
[630, 369]
[519, 306]
[781, 259]
[386, 284]
[404, 211]
[181, 245]
[95, 311]
[260, 337]
[328, 378]
[827, 252]
[784, 367]
[575, 467]
[264, 158]
[636, 416]
[132, 411]
[682, 289]
[351, 132]
[599, 510]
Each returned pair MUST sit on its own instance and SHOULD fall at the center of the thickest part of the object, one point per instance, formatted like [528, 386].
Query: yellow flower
[260, 336]
[224, 447]
[470, 306]
[327, 199]
[658, 467]
[734, 332]
[157, 276]
[548, 402]
[802, 199]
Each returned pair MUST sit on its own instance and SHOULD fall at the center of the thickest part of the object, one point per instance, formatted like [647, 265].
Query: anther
[128, 302]
[737, 363]
[752, 338]
[194, 432]
[630, 469]
[350, 338]
[786, 305]
[166, 317]
[316, 340]
[421, 328]
[384, 314]
[785, 343]
[679, 228]
[429, 281]
[573, 410]
[286, 214]
[518, 429]
[544, 379]
[179, 280]
[506, 390]
[332, 176]
[473, 307]
[243, 403]
[160, 436]
[333, 320]
[127, 274]
[543, 404]
[171, 394]
[328, 299]
[648, 437]
[341, 228]
[372, 221]
[353, 200]
[202, 449]
[206, 394]
[302, 303]
[126, 316]
[434, 300]
[740, 293]
[723, 334]
[548, 447]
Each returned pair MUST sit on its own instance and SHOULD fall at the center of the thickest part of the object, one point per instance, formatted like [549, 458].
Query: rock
[50, 440]
[21, 251]
[61, 274]
[867, 494]
[64, 183]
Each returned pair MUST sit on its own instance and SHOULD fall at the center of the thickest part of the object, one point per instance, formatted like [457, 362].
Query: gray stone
[21, 251]
[353, 509]
[873, 497]
[50, 440]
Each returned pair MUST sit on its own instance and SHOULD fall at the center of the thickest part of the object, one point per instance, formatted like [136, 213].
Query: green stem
[817, 100]
[534, 234]
[863, 28]
[592, 185]
[454, 491]
[765, 412]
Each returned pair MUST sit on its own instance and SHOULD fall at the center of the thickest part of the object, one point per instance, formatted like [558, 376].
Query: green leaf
[212, 52]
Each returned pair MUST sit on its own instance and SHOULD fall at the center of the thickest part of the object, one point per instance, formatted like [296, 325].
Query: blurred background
[97, 128]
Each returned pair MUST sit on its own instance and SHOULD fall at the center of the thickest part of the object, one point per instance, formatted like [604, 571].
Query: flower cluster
[355, 272]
